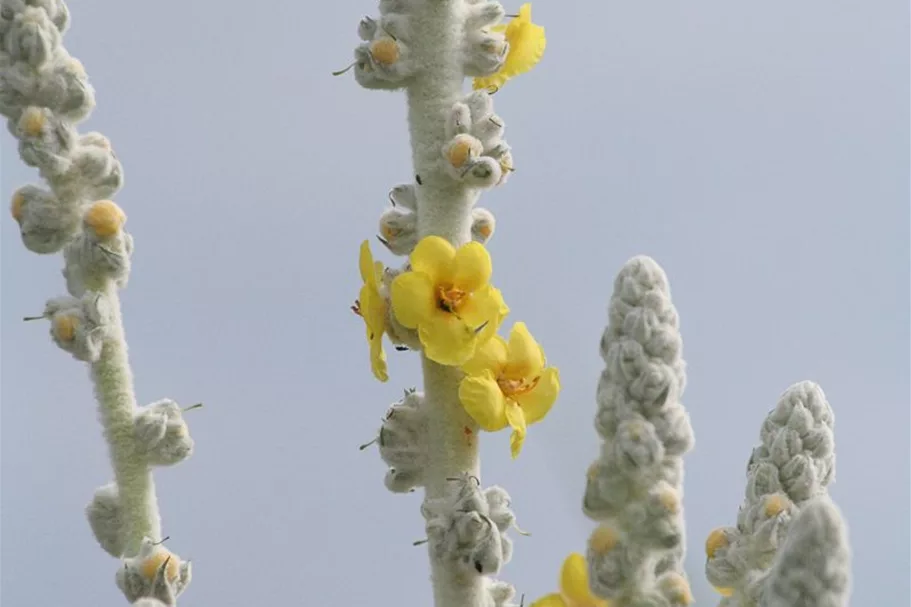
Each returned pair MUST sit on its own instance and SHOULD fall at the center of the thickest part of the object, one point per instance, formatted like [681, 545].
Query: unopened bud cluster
[634, 488]
[793, 464]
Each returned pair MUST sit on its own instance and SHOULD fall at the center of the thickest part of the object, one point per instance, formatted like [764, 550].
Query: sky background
[758, 151]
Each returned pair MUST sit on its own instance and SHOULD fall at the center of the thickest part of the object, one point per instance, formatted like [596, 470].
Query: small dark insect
[401, 348]
[418, 179]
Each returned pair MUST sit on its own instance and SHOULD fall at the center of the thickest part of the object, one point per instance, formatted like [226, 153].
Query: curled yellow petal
[365, 264]
[526, 47]
[483, 401]
[537, 402]
[378, 359]
[471, 267]
[516, 418]
[434, 257]
[413, 299]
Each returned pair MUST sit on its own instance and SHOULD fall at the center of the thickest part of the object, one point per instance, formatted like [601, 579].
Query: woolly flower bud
[404, 196]
[61, 87]
[104, 516]
[484, 52]
[483, 225]
[55, 9]
[154, 573]
[499, 594]
[95, 172]
[813, 567]
[102, 252]
[32, 37]
[46, 223]
[45, 142]
[475, 153]
[398, 230]
[384, 60]
[676, 589]
[402, 443]
[162, 434]
[79, 325]
[462, 529]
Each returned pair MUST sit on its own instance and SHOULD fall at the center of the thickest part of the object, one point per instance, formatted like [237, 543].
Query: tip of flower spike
[32, 121]
[105, 218]
[65, 327]
[603, 539]
[716, 540]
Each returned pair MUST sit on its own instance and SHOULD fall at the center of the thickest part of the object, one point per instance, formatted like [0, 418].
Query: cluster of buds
[475, 153]
[634, 488]
[162, 435]
[383, 60]
[793, 464]
[79, 325]
[468, 527]
[155, 573]
[484, 49]
[402, 443]
[398, 225]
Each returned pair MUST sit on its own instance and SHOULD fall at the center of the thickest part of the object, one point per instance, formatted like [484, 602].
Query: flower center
[516, 387]
[450, 298]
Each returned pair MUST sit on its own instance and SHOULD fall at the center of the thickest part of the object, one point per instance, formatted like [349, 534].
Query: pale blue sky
[758, 151]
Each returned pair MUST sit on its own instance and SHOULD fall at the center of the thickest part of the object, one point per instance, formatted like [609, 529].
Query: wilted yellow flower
[371, 306]
[526, 47]
[447, 297]
[574, 590]
[507, 384]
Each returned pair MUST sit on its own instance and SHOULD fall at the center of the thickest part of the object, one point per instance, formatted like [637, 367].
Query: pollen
[32, 121]
[150, 566]
[485, 231]
[775, 505]
[716, 540]
[17, 206]
[105, 217]
[603, 540]
[65, 327]
[385, 51]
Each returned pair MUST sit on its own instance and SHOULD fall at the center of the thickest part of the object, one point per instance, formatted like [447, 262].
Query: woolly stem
[443, 209]
[113, 381]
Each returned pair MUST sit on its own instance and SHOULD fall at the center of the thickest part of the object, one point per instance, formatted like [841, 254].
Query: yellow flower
[526, 47]
[574, 590]
[507, 383]
[372, 308]
[447, 297]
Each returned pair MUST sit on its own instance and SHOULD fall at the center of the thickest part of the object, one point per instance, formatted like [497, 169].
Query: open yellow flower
[447, 297]
[507, 383]
[371, 306]
[574, 590]
[526, 47]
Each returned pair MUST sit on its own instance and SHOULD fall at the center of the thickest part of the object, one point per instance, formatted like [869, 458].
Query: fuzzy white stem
[113, 381]
[444, 209]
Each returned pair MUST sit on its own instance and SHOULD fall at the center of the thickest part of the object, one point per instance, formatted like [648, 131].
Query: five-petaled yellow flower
[372, 308]
[447, 297]
[526, 47]
[507, 383]
[574, 590]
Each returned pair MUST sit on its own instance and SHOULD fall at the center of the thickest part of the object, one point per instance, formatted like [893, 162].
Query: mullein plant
[44, 94]
[789, 545]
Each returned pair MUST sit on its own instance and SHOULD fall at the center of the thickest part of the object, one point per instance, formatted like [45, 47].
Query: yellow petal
[413, 298]
[447, 340]
[516, 418]
[537, 402]
[373, 309]
[525, 355]
[550, 600]
[434, 256]
[471, 267]
[483, 401]
[485, 305]
[378, 359]
[365, 262]
[574, 581]
[527, 42]
[491, 356]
